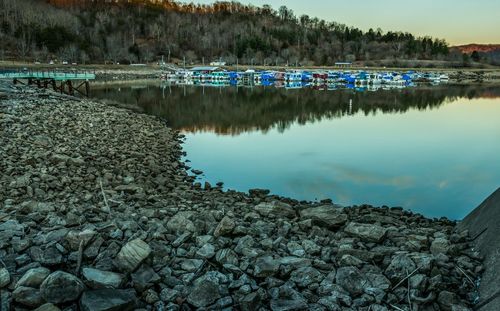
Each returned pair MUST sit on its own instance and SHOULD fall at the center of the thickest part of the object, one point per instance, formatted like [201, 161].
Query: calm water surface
[433, 150]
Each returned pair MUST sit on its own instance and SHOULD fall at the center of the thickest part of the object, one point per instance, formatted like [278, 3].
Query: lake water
[434, 150]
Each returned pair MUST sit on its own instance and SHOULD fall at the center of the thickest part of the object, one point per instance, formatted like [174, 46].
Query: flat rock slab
[108, 300]
[483, 224]
[329, 216]
[367, 232]
[132, 254]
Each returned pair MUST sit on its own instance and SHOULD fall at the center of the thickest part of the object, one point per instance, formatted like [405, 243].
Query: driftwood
[104, 197]
[406, 278]
[80, 258]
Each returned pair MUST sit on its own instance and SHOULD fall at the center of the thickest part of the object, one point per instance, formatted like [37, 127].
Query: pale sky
[457, 21]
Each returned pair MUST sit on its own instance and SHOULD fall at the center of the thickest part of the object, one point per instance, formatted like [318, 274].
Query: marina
[318, 79]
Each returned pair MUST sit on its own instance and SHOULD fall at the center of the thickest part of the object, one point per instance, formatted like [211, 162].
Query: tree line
[132, 31]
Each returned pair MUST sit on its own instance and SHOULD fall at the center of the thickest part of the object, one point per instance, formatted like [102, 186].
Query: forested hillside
[143, 31]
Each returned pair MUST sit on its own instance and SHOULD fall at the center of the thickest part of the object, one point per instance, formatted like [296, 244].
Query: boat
[293, 76]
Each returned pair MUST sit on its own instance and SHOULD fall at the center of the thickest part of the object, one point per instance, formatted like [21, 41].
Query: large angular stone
[47, 257]
[108, 300]
[61, 287]
[352, 280]
[132, 255]
[440, 246]
[225, 227]
[401, 265]
[144, 278]
[27, 296]
[204, 292]
[306, 276]
[276, 208]
[4, 277]
[207, 251]
[95, 278]
[366, 232]
[181, 223]
[47, 307]
[33, 277]
[326, 216]
[74, 238]
[265, 267]
[288, 304]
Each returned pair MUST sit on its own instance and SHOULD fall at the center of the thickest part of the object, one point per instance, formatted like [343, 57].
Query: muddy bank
[97, 212]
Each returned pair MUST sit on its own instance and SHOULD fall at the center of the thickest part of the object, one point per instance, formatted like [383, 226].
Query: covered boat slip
[357, 77]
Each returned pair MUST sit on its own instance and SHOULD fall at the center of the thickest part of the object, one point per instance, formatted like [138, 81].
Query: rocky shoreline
[97, 212]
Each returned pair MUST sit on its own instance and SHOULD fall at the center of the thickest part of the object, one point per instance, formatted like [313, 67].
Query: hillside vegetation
[145, 31]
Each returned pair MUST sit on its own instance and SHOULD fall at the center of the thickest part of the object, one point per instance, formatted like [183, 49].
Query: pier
[68, 82]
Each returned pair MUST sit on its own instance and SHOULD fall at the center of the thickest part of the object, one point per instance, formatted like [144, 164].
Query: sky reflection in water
[434, 151]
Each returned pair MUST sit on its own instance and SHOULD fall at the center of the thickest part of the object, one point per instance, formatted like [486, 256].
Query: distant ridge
[484, 48]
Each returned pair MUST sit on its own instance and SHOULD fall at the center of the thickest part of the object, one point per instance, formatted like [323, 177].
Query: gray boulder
[306, 276]
[276, 208]
[144, 278]
[366, 232]
[132, 255]
[401, 265]
[204, 292]
[95, 278]
[108, 300]
[225, 227]
[440, 246]
[27, 296]
[352, 280]
[4, 277]
[266, 266]
[33, 277]
[329, 216]
[47, 307]
[181, 223]
[207, 251]
[61, 287]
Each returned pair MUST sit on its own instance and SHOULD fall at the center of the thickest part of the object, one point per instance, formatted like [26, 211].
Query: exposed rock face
[97, 193]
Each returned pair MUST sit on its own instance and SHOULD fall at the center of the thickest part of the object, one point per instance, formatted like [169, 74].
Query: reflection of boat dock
[281, 84]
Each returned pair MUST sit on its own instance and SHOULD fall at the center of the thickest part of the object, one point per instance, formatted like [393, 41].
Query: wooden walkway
[55, 75]
[70, 82]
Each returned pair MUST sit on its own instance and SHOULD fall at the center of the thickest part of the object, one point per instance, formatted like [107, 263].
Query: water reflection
[234, 110]
[430, 149]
